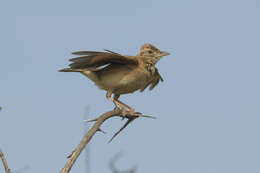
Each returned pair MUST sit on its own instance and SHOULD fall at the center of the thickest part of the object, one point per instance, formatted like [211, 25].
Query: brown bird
[119, 74]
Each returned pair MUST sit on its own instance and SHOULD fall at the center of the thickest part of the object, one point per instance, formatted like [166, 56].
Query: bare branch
[95, 128]
[75, 154]
[122, 128]
[7, 170]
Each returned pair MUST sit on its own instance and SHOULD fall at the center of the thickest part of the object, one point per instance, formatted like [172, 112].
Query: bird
[119, 74]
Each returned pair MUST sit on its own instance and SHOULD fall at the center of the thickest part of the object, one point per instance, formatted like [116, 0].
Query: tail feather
[91, 74]
[70, 70]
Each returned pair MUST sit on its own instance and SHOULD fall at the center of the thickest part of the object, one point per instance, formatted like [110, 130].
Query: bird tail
[91, 74]
[70, 70]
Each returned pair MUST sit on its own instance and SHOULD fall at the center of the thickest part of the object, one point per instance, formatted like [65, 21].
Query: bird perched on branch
[119, 74]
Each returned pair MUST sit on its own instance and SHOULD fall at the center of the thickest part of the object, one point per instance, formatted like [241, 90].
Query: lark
[119, 74]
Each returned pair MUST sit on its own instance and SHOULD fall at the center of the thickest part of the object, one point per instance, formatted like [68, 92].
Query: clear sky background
[208, 107]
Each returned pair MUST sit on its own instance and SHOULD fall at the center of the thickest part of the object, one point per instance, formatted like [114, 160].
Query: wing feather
[96, 59]
[86, 53]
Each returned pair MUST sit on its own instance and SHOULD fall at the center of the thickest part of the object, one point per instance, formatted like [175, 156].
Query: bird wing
[93, 59]
[154, 81]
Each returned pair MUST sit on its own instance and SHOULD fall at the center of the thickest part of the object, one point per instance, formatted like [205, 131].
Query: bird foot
[124, 113]
[130, 113]
[127, 111]
[117, 108]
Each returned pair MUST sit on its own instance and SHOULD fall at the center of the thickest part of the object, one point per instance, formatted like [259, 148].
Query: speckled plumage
[119, 74]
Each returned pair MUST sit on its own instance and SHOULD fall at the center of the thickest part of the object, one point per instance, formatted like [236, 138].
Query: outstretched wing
[94, 59]
[154, 81]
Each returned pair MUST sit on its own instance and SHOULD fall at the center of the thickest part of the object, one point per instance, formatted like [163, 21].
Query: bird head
[151, 54]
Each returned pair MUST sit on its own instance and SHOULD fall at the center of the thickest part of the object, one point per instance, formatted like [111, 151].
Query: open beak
[164, 53]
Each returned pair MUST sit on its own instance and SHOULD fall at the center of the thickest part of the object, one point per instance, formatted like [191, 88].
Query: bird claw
[127, 113]
[117, 108]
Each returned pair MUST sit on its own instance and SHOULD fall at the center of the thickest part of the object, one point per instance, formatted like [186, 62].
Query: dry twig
[7, 170]
[96, 127]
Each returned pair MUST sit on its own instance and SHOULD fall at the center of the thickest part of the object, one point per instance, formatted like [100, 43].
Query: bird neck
[149, 63]
[151, 60]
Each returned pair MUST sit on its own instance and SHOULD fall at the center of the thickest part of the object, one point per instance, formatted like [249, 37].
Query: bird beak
[164, 53]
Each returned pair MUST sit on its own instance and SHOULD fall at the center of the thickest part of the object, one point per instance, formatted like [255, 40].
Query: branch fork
[95, 128]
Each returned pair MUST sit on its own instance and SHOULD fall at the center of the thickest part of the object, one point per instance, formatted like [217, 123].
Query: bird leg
[116, 96]
[124, 107]
[108, 96]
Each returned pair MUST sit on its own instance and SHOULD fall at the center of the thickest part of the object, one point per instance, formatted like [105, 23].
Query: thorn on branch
[131, 118]
[96, 127]
[91, 120]
[69, 156]
[122, 128]
[100, 130]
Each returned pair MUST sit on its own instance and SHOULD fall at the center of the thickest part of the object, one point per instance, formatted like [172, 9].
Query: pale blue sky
[208, 107]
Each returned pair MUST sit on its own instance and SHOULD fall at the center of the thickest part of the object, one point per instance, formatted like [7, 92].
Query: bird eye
[150, 52]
